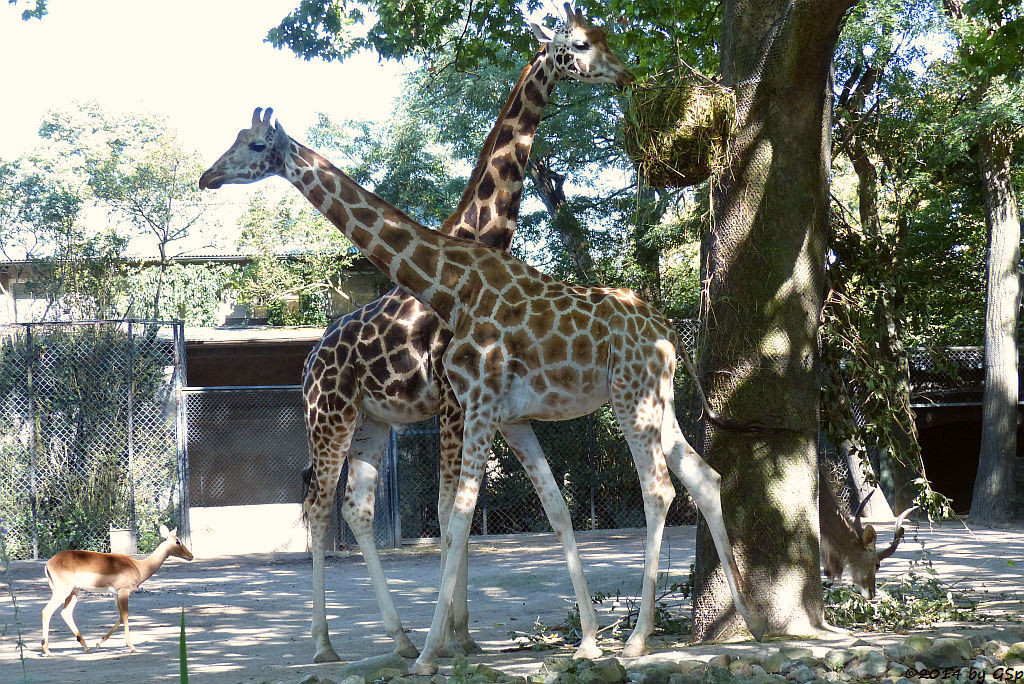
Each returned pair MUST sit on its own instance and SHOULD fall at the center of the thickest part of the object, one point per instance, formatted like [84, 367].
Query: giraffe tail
[309, 492]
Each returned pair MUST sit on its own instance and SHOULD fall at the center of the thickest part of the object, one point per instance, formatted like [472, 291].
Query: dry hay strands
[677, 130]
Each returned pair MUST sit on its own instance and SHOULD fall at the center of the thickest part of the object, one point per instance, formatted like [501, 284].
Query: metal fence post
[130, 429]
[181, 423]
[32, 440]
[395, 507]
[591, 447]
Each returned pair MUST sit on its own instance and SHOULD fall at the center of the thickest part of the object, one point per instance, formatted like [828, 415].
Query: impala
[69, 571]
[846, 544]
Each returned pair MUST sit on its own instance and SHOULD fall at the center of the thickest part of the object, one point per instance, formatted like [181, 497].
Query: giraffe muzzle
[210, 181]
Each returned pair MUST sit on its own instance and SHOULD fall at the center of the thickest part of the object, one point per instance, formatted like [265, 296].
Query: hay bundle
[677, 129]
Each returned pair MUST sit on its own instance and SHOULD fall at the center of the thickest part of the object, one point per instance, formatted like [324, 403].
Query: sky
[203, 65]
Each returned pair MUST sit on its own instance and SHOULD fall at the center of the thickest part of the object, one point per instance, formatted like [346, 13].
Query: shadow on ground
[247, 617]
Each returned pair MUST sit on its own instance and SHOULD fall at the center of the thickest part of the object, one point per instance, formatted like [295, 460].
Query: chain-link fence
[947, 375]
[247, 446]
[90, 434]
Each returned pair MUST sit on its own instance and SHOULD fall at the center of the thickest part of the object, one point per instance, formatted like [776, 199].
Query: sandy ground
[248, 617]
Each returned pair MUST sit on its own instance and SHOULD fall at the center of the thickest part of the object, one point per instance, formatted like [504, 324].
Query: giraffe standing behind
[382, 364]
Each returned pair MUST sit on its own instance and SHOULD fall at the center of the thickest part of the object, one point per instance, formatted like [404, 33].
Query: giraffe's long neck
[489, 207]
[407, 252]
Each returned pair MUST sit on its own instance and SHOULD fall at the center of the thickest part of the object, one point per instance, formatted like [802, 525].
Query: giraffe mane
[485, 152]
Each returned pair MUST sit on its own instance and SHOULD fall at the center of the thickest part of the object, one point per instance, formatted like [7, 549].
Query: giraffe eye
[257, 146]
[580, 45]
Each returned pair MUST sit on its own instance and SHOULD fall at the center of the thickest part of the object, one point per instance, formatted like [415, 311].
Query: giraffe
[382, 364]
[524, 346]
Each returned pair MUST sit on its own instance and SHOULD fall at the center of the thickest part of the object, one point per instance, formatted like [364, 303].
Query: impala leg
[122, 618]
[68, 613]
[61, 595]
[523, 441]
[360, 493]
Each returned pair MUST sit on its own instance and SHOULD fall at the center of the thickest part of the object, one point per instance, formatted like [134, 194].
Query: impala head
[861, 558]
[580, 51]
[257, 153]
[175, 545]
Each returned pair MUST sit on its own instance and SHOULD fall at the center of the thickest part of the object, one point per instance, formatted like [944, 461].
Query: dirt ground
[248, 617]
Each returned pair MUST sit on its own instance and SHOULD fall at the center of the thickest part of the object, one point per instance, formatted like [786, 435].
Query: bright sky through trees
[203, 65]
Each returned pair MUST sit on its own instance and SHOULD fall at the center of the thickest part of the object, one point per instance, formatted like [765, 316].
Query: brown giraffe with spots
[524, 347]
[382, 364]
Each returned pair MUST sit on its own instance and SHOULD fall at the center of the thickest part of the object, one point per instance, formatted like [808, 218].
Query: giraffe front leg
[317, 506]
[476, 446]
[457, 636]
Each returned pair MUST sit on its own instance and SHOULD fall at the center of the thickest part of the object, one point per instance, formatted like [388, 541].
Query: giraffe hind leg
[365, 452]
[705, 487]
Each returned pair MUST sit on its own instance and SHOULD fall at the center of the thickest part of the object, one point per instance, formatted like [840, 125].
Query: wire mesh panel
[248, 446]
[89, 434]
[589, 459]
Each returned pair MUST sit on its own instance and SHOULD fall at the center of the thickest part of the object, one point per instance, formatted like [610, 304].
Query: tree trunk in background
[646, 254]
[572, 235]
[763, 296]
[994, 487]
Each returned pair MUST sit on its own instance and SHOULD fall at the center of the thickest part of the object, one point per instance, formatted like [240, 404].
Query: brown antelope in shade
[69, 571]
[848, 545]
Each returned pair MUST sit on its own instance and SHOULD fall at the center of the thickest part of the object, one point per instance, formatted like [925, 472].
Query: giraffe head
[257, 153]
[580, 51]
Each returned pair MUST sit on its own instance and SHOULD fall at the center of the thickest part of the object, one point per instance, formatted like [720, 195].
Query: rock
[1015, 653]
[948, 652]
[868, 667]
[608, 671]
[721, 660]
[409, 679]
[904, 680]
[557, 664]
[310, 679]
[717, 675]
[801, 674]
[691, 677]
[758, 669]
[742, 669]
[353, 679]
[383, 666]
[773, 662]
[837, 658]
[896, 670]
[797, 652]
[485, 672]
[832, 676]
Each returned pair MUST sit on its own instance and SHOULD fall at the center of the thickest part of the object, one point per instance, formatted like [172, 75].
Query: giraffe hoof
[469, 647]
[407, 650]
[419, 668]
[590, 651]
[327, 655]
[635, 650]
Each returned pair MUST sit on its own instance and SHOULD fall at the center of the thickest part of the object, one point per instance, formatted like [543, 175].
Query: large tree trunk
[765, 287]
[994, 487]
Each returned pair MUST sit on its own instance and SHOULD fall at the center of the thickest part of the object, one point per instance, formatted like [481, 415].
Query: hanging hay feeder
[677, 129]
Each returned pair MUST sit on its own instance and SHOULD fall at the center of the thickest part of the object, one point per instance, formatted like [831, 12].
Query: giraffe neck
[407, 252]
[489, 207]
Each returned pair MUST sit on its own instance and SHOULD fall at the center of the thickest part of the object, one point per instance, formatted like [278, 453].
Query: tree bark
[763, 296]
[994, 487]
[572, 235]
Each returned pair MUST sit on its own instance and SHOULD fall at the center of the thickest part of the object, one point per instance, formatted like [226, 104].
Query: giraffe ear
[280, 137]
[543, 33]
